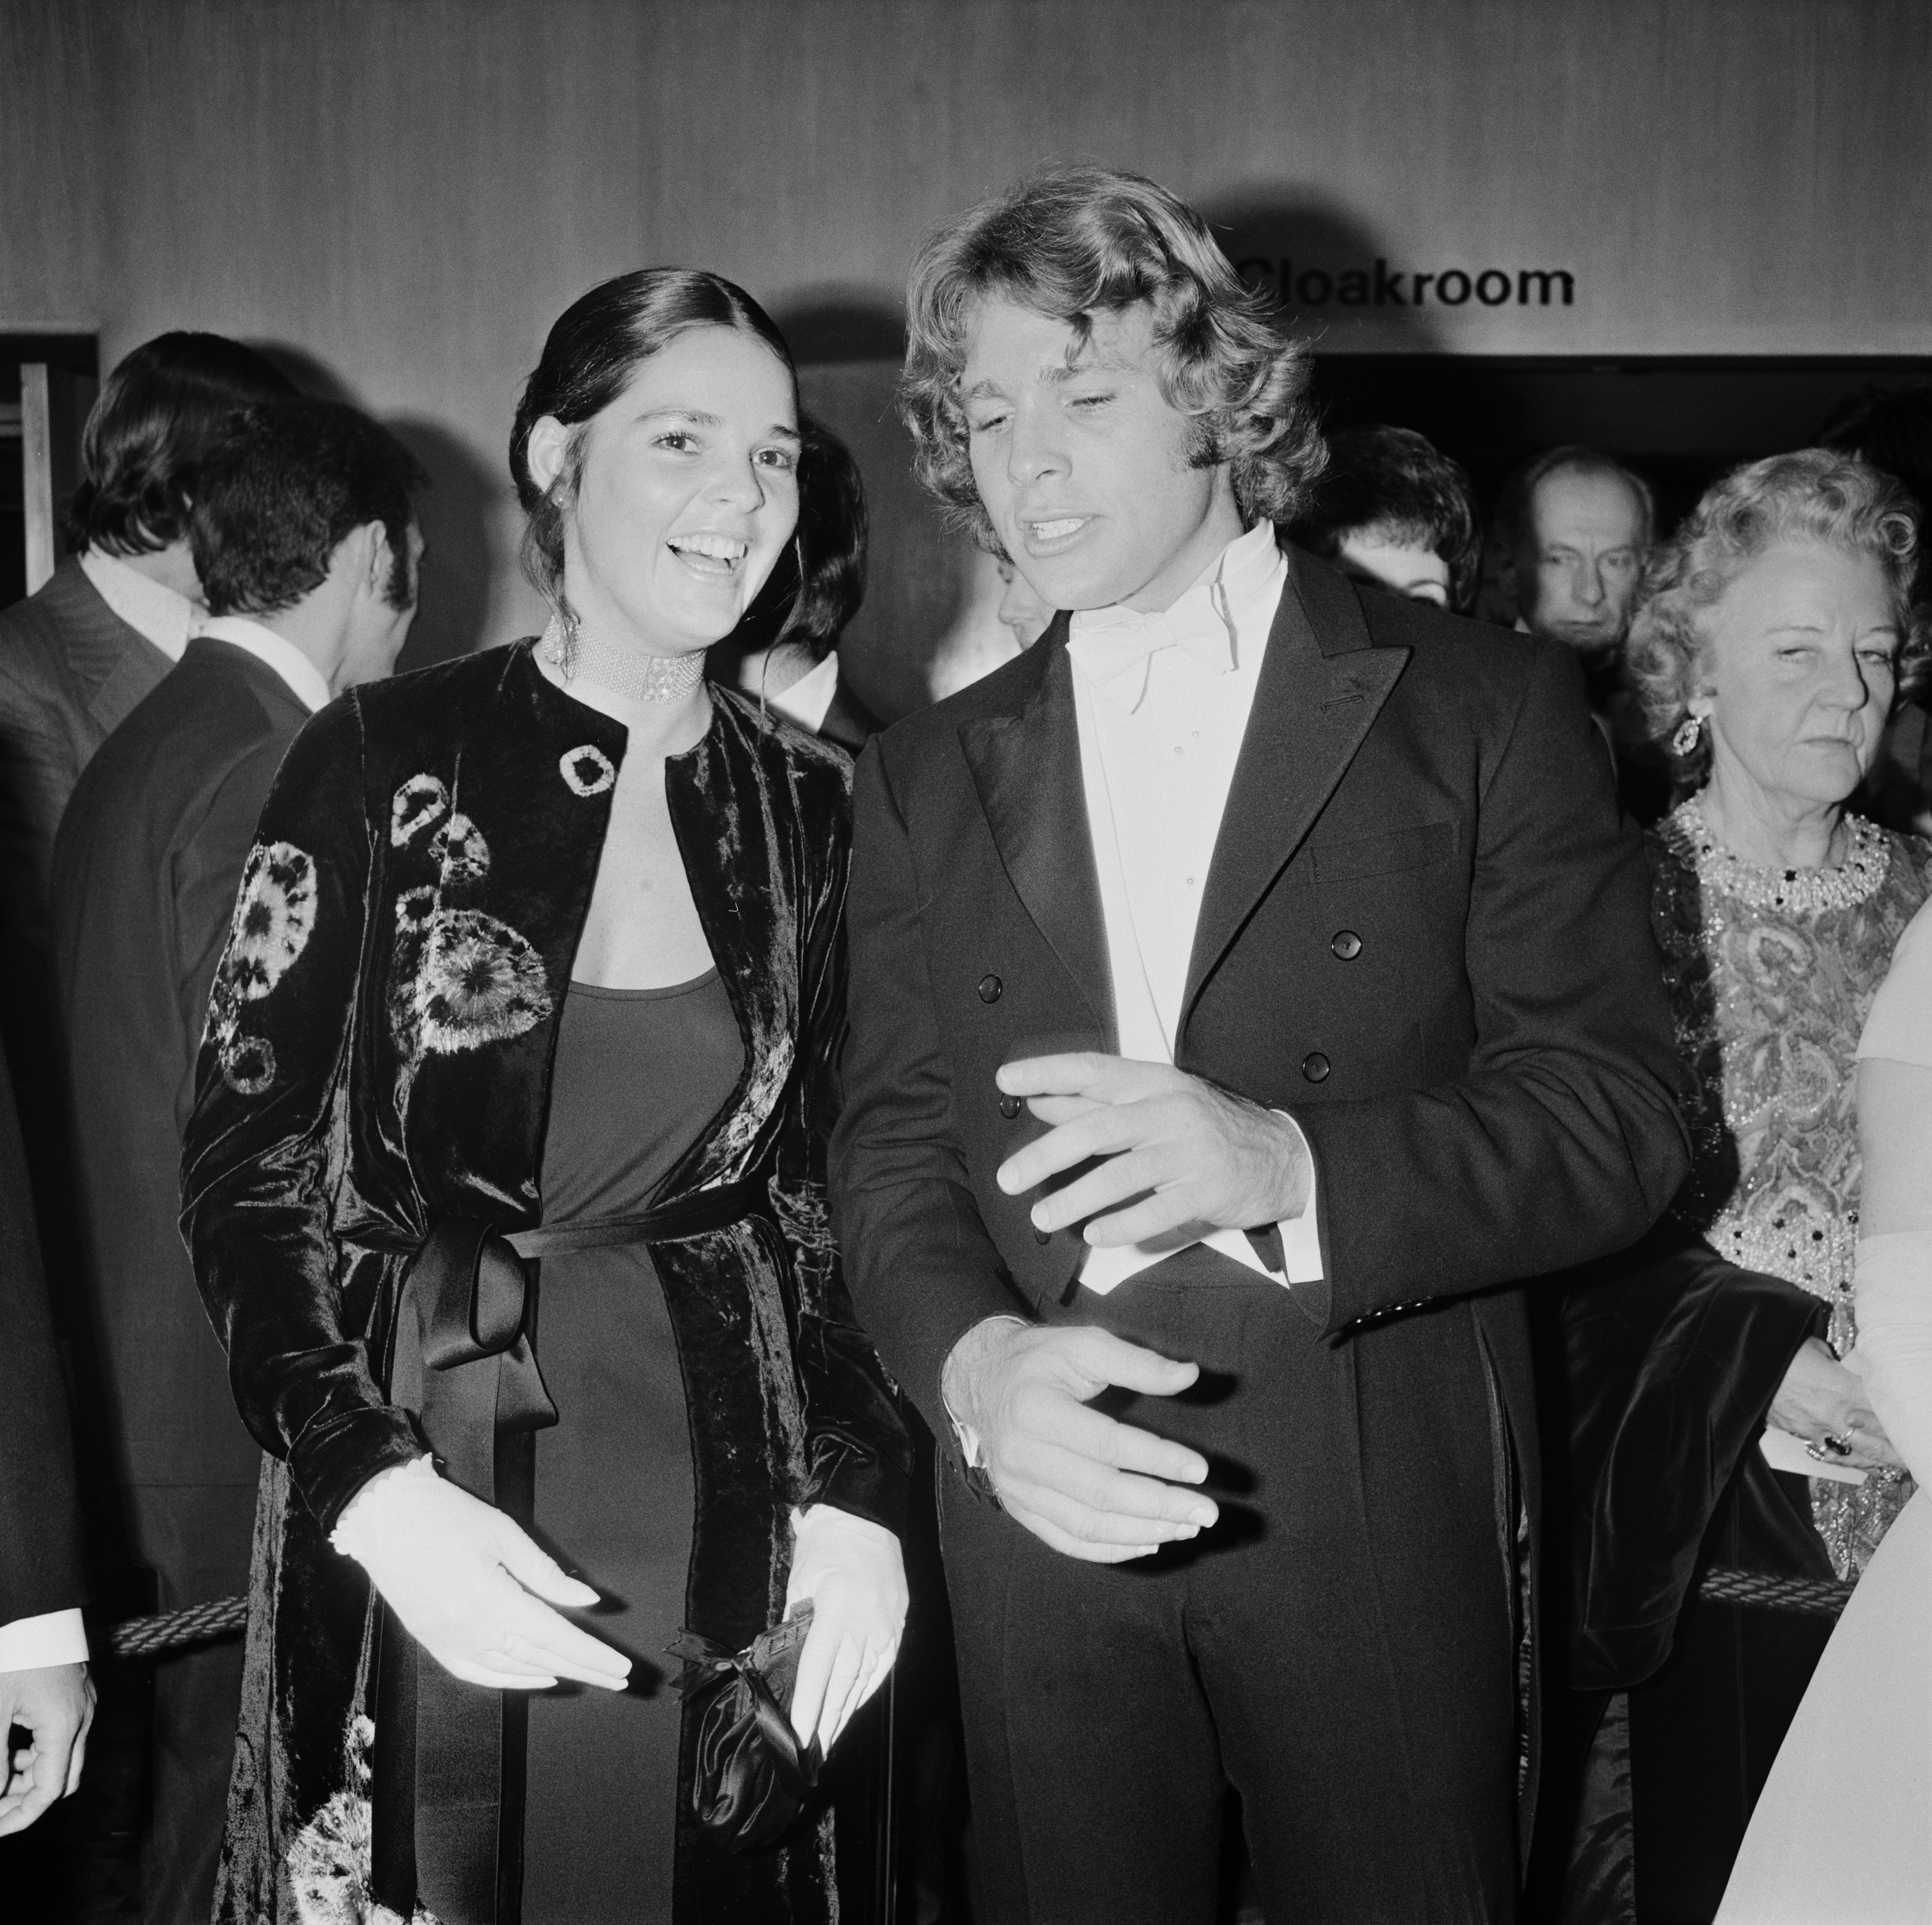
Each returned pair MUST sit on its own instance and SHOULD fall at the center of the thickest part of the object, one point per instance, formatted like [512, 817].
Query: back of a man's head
[1395, 484]
[162, 408]
[287, 484]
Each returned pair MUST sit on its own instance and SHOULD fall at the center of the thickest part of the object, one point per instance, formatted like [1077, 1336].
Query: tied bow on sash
[461, 1358]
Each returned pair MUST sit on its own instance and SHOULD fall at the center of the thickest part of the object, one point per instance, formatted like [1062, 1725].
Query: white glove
[460, 1575]
[852, 1572]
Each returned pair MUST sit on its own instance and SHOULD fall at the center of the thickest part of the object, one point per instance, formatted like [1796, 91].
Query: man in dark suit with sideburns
[1247, 996]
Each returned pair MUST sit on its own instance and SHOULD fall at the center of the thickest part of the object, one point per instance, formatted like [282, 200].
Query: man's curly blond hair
[1075, 242]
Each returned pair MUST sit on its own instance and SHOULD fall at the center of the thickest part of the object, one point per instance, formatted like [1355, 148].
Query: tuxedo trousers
[1337, 1649]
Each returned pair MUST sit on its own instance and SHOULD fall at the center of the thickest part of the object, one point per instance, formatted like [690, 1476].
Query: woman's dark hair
[1395, 482]
[283, 490]
[596, 345]
[161, 409]
[812, 594]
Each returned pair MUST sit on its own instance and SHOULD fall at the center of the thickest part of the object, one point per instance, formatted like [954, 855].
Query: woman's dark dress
[640, 1074]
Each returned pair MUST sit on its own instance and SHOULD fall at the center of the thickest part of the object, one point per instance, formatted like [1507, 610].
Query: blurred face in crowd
[1020, 610]
[687, 492]
[1082, 463]
[1391, 559]
[1575, 578]
[1796, 675]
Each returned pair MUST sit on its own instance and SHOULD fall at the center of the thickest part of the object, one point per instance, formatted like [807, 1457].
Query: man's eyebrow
[980, 391]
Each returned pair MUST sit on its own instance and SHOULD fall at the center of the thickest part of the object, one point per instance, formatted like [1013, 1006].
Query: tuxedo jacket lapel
[1026, 767]
[1322, 684]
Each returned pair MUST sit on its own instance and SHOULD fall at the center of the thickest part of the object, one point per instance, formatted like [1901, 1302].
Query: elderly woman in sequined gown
[1718, 1418]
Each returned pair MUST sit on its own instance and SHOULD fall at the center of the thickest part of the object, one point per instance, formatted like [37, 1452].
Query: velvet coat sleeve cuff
[333, 1459]
[1655, 1460]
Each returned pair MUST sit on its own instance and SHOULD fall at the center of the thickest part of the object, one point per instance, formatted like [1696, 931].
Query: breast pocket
[1402, 849]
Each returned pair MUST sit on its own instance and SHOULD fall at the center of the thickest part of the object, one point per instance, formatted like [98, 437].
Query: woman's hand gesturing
[469, 1587]
[851, 1570]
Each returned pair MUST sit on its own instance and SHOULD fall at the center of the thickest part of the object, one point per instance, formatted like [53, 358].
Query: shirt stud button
[1042, 1236]
[991, 988]
[1346, 944]
[1010, 1107]
[1314, 1067]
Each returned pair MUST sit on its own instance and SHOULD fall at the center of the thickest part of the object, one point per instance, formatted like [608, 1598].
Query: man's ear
[374, 558]
[545, 452]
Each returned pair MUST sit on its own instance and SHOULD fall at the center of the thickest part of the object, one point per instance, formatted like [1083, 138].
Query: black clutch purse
[752, 1780]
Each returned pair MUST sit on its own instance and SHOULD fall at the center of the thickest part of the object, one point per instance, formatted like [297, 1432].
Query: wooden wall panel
[404, 192]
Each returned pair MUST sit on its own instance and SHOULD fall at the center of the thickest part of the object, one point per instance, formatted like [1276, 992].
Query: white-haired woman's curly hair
[1815, 495]
[1075, 242]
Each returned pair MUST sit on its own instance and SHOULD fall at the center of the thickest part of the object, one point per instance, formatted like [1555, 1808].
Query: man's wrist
[956, 1379]
[1298, 1168]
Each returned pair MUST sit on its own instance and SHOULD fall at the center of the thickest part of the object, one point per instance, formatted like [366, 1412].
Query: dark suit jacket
[40, 1534]
[1425, 933]
[146, 865]
[70, 672]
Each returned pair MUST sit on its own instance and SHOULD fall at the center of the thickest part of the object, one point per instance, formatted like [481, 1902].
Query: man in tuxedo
[1247, 995]
[44, 1689]
[304, 543]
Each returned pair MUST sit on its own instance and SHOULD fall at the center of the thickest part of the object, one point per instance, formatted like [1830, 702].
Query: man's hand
[1082, 1483]
[54, 1703]
[1196, 1159]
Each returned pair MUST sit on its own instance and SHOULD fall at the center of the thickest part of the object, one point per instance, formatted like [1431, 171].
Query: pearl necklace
[637, 677]
[1795, 892]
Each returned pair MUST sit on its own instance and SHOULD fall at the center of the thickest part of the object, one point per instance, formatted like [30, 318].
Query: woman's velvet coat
[378, 1057]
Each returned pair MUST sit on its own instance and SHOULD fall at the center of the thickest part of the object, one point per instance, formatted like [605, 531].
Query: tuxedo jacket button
[1011, 1106]
[991, 988]
[1346, 944]
[1314, 1067]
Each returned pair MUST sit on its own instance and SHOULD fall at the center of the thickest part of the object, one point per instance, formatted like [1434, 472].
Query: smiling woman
[582, 914]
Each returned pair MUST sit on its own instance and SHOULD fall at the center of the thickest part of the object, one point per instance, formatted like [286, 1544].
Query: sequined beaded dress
[1770, 988]
[1677, 1348]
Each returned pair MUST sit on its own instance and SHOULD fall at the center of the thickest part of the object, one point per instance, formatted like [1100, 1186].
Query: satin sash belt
[447, 1763]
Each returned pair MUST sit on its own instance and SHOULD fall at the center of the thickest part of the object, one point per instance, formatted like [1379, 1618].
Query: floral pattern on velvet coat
[378, 1056]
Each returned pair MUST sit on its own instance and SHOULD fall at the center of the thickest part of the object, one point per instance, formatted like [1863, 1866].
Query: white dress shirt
[55, 1637]
[150, 608]
[809, 698]
[305, 679]
[1163, 703]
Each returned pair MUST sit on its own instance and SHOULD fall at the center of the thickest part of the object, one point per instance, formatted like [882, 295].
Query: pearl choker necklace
[636, 677]
[1796, 892]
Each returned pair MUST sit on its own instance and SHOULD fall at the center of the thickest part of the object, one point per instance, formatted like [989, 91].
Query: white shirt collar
[305, 681]
[809, 698]
[1113, 647]
[150, 608]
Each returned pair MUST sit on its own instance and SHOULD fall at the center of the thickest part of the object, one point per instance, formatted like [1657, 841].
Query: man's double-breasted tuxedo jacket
[1423, 934]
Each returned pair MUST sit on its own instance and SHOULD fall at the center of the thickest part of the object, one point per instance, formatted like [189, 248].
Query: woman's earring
[1690, 733]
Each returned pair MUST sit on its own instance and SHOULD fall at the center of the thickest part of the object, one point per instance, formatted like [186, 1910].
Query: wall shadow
[920, 574]
[456, 512]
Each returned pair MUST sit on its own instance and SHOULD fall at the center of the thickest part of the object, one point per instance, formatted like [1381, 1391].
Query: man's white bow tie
[1113, 646]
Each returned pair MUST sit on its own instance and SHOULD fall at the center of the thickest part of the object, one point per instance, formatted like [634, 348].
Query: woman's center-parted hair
[594, 348]
[1075, 242]
[1815, 495]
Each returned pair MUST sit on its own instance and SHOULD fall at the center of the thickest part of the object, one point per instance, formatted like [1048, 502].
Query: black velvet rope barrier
[173, 1630]
[1824, 1597]
[226, 1616]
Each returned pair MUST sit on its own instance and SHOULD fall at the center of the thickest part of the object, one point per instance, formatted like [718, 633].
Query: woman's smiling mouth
[714, 556]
